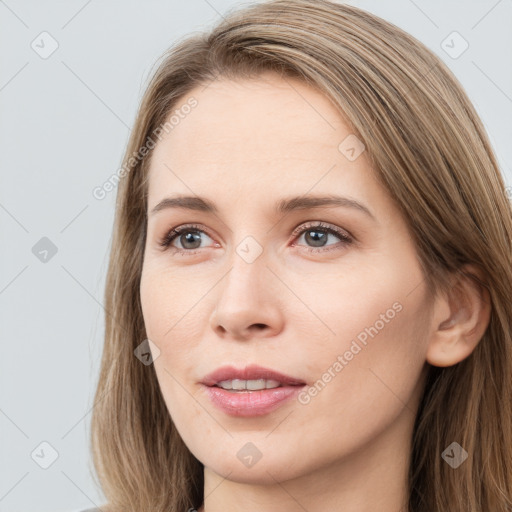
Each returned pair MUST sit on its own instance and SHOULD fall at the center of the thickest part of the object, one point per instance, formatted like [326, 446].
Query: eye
[315, 233]
[188, 236]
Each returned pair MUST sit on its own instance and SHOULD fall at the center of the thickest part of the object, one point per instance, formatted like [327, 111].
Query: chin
[267, 470]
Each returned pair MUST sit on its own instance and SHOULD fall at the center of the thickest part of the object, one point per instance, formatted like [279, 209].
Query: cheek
[174, 312]
[170, 305]
[368, 375]
[171, 328]
[151, 301]
[370, 340]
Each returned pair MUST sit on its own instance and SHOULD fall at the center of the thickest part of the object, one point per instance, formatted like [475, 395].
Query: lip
[250, 403]
[251, 372]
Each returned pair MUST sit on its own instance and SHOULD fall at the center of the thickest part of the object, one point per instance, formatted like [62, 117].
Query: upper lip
[251, 372]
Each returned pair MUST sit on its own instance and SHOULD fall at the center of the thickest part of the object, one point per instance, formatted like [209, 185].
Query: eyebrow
[286, 205]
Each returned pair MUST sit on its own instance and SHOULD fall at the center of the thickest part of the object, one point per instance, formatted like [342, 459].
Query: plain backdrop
[71, 76]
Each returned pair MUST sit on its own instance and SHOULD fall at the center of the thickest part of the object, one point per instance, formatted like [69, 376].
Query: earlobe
[461, 317]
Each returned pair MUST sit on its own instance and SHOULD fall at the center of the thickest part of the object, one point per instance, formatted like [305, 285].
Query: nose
[248, 302]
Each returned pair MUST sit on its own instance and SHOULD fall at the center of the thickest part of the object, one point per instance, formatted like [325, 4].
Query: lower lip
[251, 403]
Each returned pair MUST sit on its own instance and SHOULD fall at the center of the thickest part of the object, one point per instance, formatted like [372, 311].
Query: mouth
[252, 391]
[250, 378]
[250, 386]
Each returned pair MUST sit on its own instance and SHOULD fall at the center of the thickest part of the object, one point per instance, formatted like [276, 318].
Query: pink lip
[250, 403]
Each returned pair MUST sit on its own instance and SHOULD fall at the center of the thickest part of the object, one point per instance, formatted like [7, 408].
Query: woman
[338, 335]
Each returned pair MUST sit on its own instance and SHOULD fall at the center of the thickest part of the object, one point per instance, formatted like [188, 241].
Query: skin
[246, 145]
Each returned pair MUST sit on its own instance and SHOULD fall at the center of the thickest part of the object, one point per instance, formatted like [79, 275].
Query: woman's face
[340, 307]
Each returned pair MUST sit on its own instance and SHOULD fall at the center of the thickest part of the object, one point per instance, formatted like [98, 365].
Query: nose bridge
[247, 272]
[248, 257]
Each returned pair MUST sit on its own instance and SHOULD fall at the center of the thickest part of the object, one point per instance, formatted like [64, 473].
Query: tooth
[272, 384]
[225, 384]
[249, 385]
[256, 384]
[238, 384]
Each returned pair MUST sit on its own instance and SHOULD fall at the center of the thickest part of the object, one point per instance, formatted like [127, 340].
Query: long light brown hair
[430, 151]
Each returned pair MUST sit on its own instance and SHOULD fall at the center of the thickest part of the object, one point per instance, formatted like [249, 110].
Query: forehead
[253, 137]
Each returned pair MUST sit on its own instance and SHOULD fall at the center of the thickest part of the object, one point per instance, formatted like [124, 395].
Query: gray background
[64, 123]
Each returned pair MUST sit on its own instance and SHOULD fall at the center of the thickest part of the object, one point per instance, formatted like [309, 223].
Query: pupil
[189, 237]
[316, 242]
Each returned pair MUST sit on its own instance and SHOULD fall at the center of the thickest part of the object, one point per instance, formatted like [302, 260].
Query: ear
[460, 318]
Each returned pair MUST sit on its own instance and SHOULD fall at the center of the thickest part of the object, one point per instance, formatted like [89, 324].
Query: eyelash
[171, 235]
